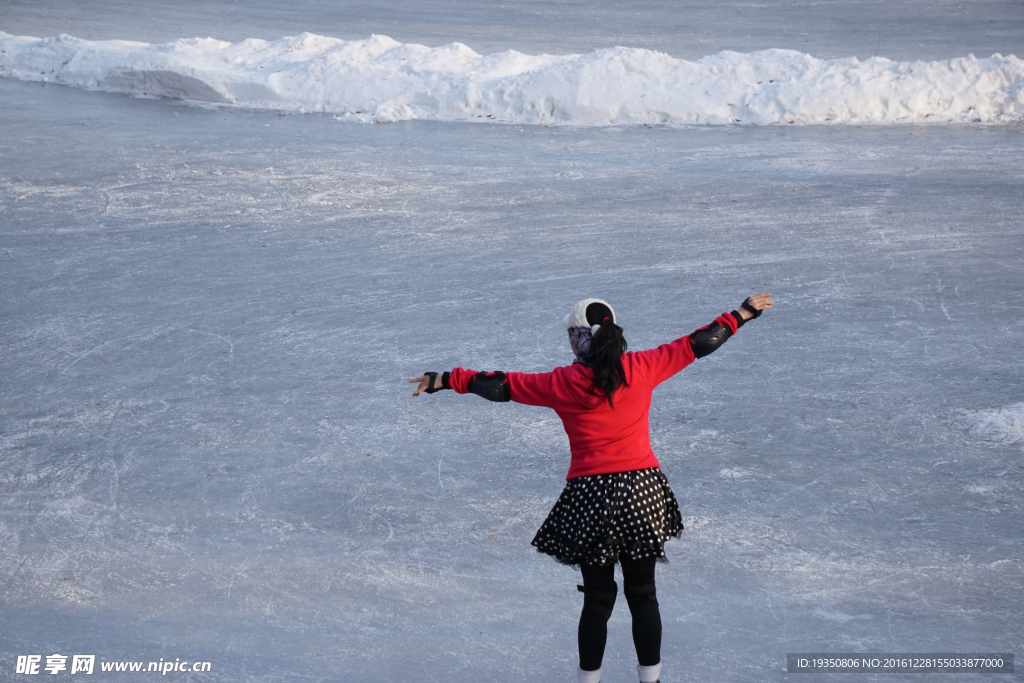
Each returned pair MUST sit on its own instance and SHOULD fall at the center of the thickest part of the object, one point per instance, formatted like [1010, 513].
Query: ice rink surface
[686, 29]
[208, 452]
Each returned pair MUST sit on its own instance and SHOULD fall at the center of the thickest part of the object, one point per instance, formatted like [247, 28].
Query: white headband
[578, 315]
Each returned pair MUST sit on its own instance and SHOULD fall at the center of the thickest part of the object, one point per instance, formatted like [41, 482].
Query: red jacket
[602, 439]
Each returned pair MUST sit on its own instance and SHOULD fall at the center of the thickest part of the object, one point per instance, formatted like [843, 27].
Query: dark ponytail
[606, 349]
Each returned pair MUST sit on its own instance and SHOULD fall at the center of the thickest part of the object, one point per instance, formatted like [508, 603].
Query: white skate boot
[649, 674]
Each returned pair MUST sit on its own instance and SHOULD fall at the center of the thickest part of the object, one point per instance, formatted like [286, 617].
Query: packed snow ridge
[381, 80]
[1002, 425]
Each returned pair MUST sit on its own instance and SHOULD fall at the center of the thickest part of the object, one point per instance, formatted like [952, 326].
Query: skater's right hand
[424, 383]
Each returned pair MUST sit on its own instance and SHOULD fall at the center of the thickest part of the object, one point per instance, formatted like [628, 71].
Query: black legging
[599, 592]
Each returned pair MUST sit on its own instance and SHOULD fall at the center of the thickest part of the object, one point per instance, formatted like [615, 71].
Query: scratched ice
[207, 450]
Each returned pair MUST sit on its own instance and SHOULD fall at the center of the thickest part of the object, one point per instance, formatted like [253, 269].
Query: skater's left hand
[424, 383]
[759, 302]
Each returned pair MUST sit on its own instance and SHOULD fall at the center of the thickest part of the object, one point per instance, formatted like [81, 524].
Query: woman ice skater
[617, 505]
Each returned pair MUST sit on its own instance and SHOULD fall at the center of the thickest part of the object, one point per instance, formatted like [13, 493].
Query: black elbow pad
[493, 386]
[707, 340]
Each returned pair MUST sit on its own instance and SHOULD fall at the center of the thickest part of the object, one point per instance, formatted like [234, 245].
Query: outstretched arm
[494, 386]
[534, 389]
[668, 359]
[707, 339]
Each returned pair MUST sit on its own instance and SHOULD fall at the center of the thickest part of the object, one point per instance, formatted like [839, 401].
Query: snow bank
[379, 79]
[1002, 425]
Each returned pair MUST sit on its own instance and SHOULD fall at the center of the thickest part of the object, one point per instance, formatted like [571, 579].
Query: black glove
[431, 389]
[750, 309]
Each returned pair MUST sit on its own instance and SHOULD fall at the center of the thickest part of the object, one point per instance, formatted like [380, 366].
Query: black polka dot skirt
[600, 517]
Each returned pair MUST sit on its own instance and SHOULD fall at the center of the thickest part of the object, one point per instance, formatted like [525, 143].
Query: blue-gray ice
[208, 451]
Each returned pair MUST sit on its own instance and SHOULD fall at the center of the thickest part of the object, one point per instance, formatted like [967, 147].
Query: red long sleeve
[602, 438]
